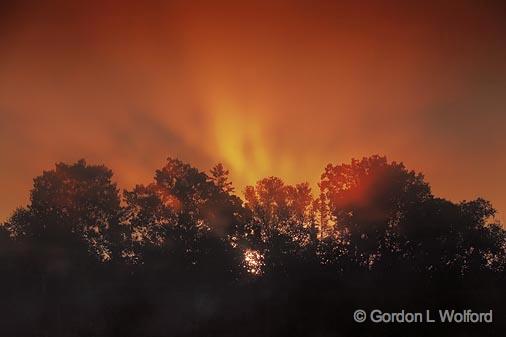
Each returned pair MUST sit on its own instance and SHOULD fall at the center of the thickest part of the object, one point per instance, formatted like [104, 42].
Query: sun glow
[240, 142]
[254, 261]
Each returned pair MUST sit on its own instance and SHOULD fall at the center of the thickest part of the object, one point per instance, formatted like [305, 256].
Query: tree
[440, 238]
[367, 199]
[176, 256]
[64, 237]
[282, 227]
[72, 202]
[186, 217]
[219, 176]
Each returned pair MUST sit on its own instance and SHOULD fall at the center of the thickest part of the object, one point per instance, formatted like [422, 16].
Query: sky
[267, 88]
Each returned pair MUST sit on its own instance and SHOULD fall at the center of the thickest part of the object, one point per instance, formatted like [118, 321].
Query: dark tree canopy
[185, 256]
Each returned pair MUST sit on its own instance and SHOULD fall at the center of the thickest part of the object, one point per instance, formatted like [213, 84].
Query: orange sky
[266, 89]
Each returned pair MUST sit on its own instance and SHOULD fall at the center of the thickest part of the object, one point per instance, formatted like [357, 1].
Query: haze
[265, 89]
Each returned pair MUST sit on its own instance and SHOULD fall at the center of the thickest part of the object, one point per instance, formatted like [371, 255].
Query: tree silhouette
[219, 176]
[369, 200]
[283, 225]
[183, 215]
[185, 256]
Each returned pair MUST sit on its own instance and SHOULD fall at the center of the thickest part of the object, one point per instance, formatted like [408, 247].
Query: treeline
[185, 256]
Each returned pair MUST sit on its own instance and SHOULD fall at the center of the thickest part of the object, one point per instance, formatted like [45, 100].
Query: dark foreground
[184, 256]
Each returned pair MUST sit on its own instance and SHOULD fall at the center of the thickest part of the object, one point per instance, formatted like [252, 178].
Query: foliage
[185, 256]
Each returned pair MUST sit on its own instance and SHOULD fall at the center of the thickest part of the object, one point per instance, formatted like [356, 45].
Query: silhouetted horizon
[185, 256]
